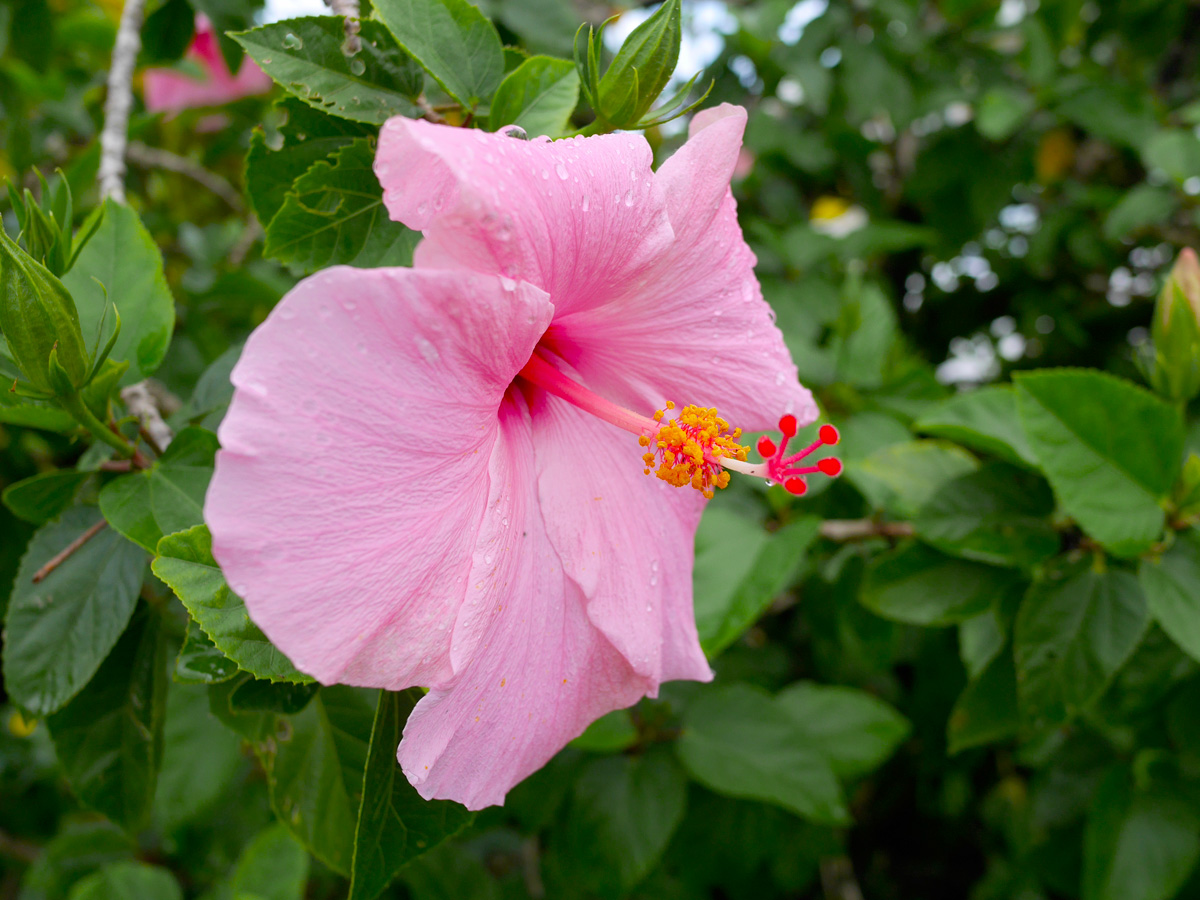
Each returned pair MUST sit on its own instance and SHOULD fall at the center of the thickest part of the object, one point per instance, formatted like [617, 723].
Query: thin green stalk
[76, 407]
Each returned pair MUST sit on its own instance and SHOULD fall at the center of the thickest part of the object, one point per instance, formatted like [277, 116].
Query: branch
[139, 399]
[861, 529]
[63, 555]
[157, 158]
[20, 850]
[119, 101]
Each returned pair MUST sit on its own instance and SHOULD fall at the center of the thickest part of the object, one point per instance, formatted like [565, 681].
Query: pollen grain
[688, 449]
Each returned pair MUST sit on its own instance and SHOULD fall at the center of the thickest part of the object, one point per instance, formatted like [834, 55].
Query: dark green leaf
[986, 710]
[272, 867]
[58, 632]
[334, 214]
[1172, 586]
[167, 497]
[43, 497]
[984, 419]
[109, 739]
[78, 850]
[1110, 449]
[122, 265]
[305, 56]
[256, 695]
[128, 881]
[539, 95]
[996, 515]
[610, 733]
[453, 40]
[1072, 635]
[395, 825]
[901, 478]
[200, 662]
[185, 562]
[854, 731]
[739, 742]
[918, 585]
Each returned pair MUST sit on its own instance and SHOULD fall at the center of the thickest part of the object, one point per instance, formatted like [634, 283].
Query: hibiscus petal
[348, 496]
[541, 671]
[580, 218]
[698, 331]
[625, 537]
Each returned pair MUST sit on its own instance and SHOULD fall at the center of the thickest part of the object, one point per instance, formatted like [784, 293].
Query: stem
[76, 407]
[539, 372]
[596, 126]
[860, 529]
[62, 556]
[113, 138]
[156, 157]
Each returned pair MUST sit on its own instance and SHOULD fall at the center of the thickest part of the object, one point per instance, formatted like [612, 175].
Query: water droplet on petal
[561, 170]
[428, 352]
[629, 198]
[585, 204]
[516, 131]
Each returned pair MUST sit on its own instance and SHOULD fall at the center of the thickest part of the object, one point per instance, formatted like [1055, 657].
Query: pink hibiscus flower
[169, 90]
[432, 476]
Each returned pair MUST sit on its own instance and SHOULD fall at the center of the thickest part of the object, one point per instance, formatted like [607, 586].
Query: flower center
[695, 446]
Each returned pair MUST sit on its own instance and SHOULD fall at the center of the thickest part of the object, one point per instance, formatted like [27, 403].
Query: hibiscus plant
[479, 450]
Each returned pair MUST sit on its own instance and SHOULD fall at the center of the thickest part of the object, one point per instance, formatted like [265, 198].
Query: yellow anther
[688, 448]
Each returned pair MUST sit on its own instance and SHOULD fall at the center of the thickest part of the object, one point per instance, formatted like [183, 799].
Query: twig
[59, 558]
[119, 101]
[837, 879]
[250, 234]
[157, 158]
[139, 400]
[860, 529]
[348, 9]
[15, 848]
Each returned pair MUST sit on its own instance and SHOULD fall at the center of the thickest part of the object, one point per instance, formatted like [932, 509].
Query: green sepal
[642, 67]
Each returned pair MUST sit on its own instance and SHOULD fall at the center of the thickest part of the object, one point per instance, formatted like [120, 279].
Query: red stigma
[829, 435]
[782, 467]
[787, 425]
[766, 447]
[795, 486]
[831, 466]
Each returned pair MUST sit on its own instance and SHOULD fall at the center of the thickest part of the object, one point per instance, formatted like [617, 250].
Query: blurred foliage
[968, 668]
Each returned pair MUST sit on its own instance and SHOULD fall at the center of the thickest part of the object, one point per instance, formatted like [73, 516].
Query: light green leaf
[739, 742]
[120, 264]
[1145, 205]
[984, 419]
[902, 478]
[853, 730]
[109, 738]
[1072, 634]
[395, 825]
[128, 881]
[305, 57]
[918, 585]
[1110, 449]
[1172, 586]
[272, 867]
[58, 632]
[453, 40]
[199, 661]
[610, 733]
[1001, 111]
[1175, 151]
[334, 214]
[167, 497]
[185, 562]
[539, 95]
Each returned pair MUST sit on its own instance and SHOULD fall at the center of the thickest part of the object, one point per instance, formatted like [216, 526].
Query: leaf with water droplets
[539, 96]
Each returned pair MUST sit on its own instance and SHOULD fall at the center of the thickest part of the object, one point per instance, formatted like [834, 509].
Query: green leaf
[128, 881]
[79, 849]
[984, 419]
[257, 695]
[58, 632]
[453, 40]
[1138, 843]
[307, 136]
[200, 759]
[622, 813]
[315, 766]
[272, 867]
[902, 478]
[185, 562]
[997, 515]
[167, 497]
[739, 742]
[200, 662]
[740, 569]
[1072, 634]
[1142, 207]
[918, 585]
[109, 739]
[610, 733]
[395, 825]
[642, 67]
[1175, 151]
[43, 497]
[1001, 111]
[539, 95]
[305, 57]
[26, 413]
[122, 265]
[1110, 449]
[334, 214]
[1172, 586]
[986, 710]
[853, 730]
[450, 872]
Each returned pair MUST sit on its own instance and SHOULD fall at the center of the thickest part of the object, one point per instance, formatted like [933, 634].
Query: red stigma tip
[829, 435]
[766, 447]
[795, 486]
[831, 466]
[787, 425]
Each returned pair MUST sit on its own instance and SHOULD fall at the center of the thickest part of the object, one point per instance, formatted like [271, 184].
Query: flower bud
[38, 319]
[1176, 331]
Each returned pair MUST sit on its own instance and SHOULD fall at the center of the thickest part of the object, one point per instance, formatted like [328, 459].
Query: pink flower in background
[433, 476]
[169, 90]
